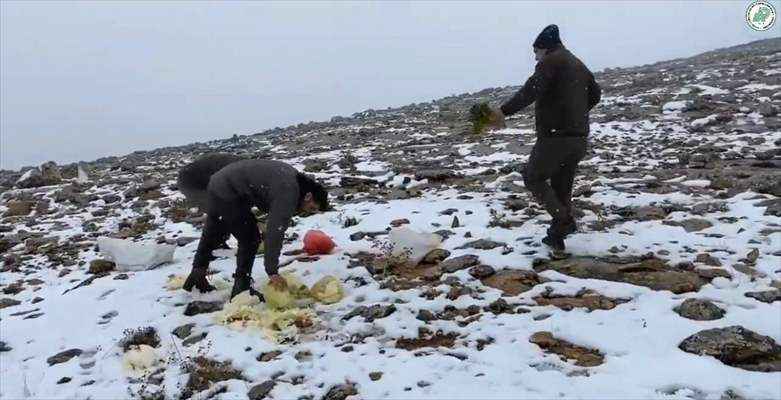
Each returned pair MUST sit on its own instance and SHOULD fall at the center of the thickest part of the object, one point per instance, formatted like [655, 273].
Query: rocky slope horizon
[673, 290]
[456, 108]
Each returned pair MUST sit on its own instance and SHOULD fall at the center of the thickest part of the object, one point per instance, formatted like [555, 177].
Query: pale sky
[82, 80]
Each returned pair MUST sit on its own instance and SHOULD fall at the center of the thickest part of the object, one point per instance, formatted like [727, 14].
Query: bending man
[273, 187]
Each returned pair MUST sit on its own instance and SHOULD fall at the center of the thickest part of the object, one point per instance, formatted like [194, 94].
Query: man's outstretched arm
[534, 86]
[279, 216]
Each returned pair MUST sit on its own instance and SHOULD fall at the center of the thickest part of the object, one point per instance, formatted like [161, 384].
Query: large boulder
[46, 175]
[736, 346]
[651, 272]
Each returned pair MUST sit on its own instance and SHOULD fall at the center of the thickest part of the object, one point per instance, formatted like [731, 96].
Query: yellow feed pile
[282, 316]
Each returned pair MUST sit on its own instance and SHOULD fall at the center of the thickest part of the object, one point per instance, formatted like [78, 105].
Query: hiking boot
[569, 227]
[556, 246]
[197, 279]
[563, 229]
[242, 283]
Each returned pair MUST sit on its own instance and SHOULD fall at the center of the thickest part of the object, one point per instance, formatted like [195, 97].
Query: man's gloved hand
[496, 119]
[277, 282]
[197, 278]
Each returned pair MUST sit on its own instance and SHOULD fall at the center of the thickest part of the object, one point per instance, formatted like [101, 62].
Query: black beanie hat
[548, 38]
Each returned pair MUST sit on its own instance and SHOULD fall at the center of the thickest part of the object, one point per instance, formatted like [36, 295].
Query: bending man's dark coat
[272, 187]
[194, 178]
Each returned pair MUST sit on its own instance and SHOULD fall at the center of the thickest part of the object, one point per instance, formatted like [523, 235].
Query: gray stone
[259, 392]
[183, 331]
[63, 356]
[435, 256]
[699, 310]
[458, 263]
[767, 296]
[482, 244]
[736, 346]
[8, 302]
[202, 307]
[481, 271]
[340, 392]
[369, 314]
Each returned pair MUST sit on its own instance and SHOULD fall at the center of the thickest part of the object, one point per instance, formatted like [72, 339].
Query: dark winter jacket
[564, 91]
[271, 186]
[194, 177]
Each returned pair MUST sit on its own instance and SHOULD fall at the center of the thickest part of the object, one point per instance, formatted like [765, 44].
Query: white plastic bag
[412, 245]
[133, 256]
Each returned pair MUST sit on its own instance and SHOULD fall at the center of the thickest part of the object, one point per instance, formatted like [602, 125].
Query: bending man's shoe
[557, 248]
[197, 279]
[242, 283]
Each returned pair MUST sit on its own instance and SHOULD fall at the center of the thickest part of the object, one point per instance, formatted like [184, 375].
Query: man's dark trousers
[549, 175]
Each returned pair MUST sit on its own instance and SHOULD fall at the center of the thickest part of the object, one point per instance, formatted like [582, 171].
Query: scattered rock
[268, 356]
[202, 307]
[4, 347]
[204, 372]
[340, 392]
[375, 376]
[767, 296]
[500, 306]
[513, 282]
[356, 182]
[259, 392]
[708, 259]
[101, 266]
[8, 302]
[482, 244]
[369, 314]
[436, 175]
[584, 299]
[458, 263]
[481, 271]
[183, 331]
[436, 256]
[650, 272]
[19, 208]
[584, 357]
[691, 225]
[194, 339]
[64, 379]
[736, 346]
[426, 339]
[399, 222]
[699, 310]
[63, 356]
[425, 316]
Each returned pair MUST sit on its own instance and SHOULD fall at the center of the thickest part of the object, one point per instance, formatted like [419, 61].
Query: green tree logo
[760, 15]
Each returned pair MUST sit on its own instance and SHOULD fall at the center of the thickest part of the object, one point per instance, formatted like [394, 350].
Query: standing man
[564, 91]
[273, 187]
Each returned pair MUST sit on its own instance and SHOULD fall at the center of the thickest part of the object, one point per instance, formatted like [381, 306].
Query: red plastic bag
[317, 242]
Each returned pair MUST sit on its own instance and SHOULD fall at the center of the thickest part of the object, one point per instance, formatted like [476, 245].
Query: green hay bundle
[480, 115]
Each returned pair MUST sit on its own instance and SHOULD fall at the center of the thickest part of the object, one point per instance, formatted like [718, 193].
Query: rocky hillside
[675, 278]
